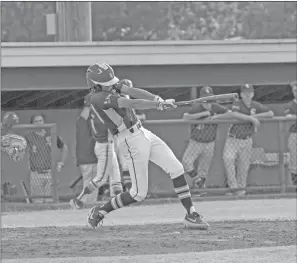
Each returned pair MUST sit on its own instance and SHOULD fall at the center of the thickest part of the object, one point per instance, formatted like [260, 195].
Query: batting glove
[158, 99]
[167, 105]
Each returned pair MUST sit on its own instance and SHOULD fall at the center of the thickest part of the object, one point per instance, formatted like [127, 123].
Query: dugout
[50, 78]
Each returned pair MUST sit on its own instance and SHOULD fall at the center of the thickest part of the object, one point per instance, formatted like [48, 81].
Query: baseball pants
[240, 151]
[124, 168]
[292, 145]
[140, 147]
[195, 150]
[88, 172]
[41, 184]
[107, 167]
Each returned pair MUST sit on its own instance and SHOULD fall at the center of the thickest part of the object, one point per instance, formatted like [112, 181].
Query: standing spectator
[292, 142]
[39, 144]
[202, 140]
[239, 144]
[85, 157]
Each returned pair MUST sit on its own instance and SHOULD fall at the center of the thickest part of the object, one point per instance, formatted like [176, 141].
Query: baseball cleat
[196, 221]
[94, 218]
[76, 204]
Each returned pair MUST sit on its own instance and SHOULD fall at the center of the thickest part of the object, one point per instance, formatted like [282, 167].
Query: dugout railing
[19, 174]
[269, 164]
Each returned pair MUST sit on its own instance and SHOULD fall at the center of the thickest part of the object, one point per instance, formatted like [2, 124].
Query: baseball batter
[292, 142]
[137, 144]
[238, 146]
[201, 143]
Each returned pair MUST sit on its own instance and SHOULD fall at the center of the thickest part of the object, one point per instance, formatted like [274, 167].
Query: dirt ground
[45, 242]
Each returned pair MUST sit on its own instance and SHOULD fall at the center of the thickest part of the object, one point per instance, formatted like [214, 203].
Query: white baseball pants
[140, 147]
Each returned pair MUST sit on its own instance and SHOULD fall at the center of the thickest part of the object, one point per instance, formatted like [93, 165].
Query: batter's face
[247, 96]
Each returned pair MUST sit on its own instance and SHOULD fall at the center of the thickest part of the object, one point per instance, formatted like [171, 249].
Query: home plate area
[246, 239]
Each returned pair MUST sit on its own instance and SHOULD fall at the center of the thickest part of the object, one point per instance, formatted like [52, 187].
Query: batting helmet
[100, 74]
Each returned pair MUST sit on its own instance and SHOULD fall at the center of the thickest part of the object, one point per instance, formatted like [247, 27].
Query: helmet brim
[111, 82]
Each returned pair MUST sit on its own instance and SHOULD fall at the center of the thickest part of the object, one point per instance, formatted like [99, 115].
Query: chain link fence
[229, 158]
[34, 178]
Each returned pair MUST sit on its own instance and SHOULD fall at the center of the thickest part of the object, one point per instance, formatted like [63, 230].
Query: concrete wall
[52, 78]
[175, 135]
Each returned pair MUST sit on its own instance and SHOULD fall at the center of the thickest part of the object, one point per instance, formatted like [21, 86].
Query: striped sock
[119, 201]
[182, 190]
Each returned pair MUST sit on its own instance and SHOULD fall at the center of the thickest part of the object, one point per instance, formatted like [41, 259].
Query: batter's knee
[175, 169]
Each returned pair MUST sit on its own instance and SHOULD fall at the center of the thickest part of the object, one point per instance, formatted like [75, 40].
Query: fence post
[281, 156]
[194, 93]
[54, 163]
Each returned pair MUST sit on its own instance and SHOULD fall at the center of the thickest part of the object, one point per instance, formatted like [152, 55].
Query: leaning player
[292, 142]
[137, 144]
[202, 141]
[239, 144]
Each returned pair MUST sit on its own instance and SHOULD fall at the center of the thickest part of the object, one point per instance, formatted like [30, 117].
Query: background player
[138, 145]
[201, 143]
[85, 157]
[39, 143]
[239, 143]
[292, 142]
[107, 163]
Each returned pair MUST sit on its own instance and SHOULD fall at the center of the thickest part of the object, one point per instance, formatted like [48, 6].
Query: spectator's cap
[293, 84]
[10, 118]
[247, 88]
[87, 101]
[206, 91]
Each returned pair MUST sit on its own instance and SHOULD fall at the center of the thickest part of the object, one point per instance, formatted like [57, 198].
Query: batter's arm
[139, 104]
[138, 93]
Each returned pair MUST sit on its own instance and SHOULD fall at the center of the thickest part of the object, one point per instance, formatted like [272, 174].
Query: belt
[239, 137]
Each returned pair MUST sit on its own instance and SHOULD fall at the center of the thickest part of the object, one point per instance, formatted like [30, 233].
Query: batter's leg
[163, 156]
[244, 160]
[136, 151]
[229, 156]
[292, 145]
[204, 164]
[193, 151]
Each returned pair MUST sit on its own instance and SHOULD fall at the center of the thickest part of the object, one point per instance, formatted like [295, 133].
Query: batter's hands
[167, 105]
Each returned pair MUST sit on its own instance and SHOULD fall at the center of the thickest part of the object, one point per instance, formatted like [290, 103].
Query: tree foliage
[130, 21]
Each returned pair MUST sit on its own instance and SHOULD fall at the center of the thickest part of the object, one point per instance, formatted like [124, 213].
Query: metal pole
[281, 148]
[54, 163]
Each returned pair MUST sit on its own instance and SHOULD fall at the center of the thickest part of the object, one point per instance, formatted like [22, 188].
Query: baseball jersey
[245, 130]
[40, 151]
[205, 133]
[292, 109]
[85, 143]
[104, 106]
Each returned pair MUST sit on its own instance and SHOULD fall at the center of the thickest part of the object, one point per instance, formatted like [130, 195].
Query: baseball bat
[222, 98]
[76, 181]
